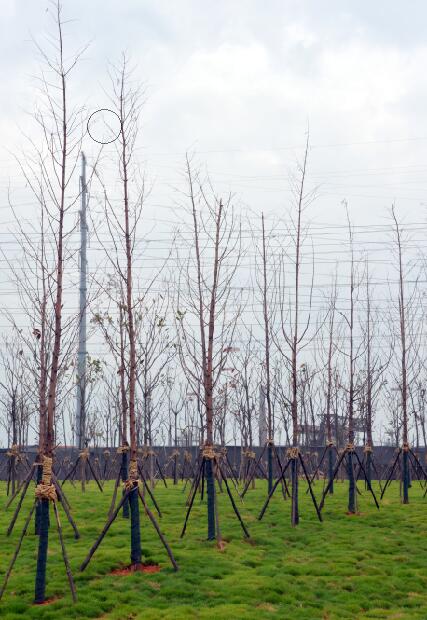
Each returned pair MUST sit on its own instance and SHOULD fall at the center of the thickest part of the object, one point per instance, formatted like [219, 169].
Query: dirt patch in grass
[154, 585]
[136, 568]
[267, 607]
[48, 601]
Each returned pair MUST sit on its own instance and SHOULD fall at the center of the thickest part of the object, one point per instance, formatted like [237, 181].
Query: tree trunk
[135, 532]
[210, 485]
[124, 467]
[405, 475]
[40, 583]
[351, 483]
[331, 469]
[270, 466]
[294, 497]
[368, 467]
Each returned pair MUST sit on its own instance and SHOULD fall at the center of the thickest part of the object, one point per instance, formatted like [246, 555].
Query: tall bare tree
[409, 330]
[265, 281]
[50, 173]
[293, 336]
[16, 407]
[375, 368]
[329, 346]
[206, 295]
[122, 223]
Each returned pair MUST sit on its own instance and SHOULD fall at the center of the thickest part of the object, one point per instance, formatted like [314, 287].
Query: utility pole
[81, 356]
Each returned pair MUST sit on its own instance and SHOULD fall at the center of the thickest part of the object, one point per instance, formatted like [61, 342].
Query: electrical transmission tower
[81, 356]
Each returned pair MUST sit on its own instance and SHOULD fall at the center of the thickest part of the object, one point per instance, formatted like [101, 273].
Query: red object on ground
[141, 568]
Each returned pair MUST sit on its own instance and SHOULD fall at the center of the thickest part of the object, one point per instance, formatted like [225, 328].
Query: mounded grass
[373, 565]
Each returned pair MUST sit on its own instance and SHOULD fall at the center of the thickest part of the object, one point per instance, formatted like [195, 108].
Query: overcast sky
[238, 82]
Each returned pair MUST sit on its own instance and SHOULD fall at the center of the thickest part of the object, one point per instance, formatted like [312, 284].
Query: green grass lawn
[373, 565]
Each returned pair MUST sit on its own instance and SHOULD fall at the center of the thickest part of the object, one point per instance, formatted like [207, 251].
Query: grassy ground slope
[350, 567]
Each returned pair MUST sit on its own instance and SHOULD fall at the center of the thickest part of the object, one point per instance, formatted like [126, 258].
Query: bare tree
[265, 281]
[16, 407]
[122, 222]
[328, 348]
[112, 323]
[122, 225]
[352, 383]
[205, 294]
[352, 353]
[375, 367]
[409, 330]
[50, 173]
[294, 326]
[156, 345]
[247, 383]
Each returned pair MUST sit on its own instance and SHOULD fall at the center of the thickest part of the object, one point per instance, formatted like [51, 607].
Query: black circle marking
[92, 115]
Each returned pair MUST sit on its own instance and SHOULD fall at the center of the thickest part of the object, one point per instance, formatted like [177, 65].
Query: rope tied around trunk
[129, 484]
[367, 449]
[45, 489]
[146, 451]
[270, 442]
[405, 446]
[330, 443]
[84, 454]
[122, 449]
[292, 453]
[133, 469]
[175, 453]
[106, 453]
[132, 476]
[47, 470]
[349, 447]
[187, 456]
[132, 480]
[249, 454]
[208, 452]
[13, 451]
